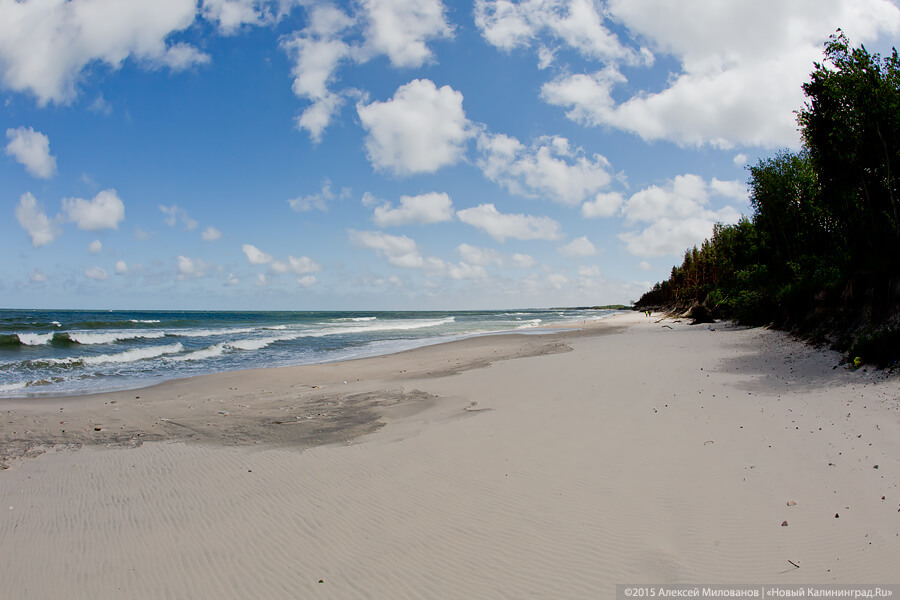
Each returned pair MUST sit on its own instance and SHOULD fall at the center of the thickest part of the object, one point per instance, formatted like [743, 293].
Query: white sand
[657, 453]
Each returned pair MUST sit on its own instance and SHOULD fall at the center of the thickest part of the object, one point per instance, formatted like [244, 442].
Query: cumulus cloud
[190, 268]
[121, 267]
[316, 52]
[175, 213]
[480, 256]
[231, 15]
[402, 251]
[744, 72]
[421, 129]
[297, 265]
[484, 257]
[37, 276]
[501, 226]
[399, 250]
[45, 46]
[105, 211]
[602, 205]
[307, 280]
[428, 208]
[34, 220]
[31, 149]
[255, 255]
[578, 247]
[579, 24]
[317, 201]
[210, 234]
[400, 29]
[674, 217]
[550, 167]
[95, 247]
[97, 273]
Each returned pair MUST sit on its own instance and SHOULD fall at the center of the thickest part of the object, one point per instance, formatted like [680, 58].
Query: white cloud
[740, 76]
[210, 234]
[465, 271]
[577, 23]
[34, 220]
[31, 149]
[400, 29]
[231, 280]
[261, 280]
[190, 268]
[307, 280]
[101, 106]
[37, 276]
[644, 265]
[175, 213]
[740, 159]
[736, 190]
[318, 201]
[97, 273]
[399, 250]
[46, 45]
[141, 235]
[592, 272]
[105, 211]
[550, 168]
[255, 255]
[298, 266]
[481, 257]
[402, 251]
[523, 261]
[578, 247]
[428, 208]
[484, 257]
[95, 247]
[121, 267]
[501, 226]
[231, 15]
[316, 53]
[421, 129]
[603, 205]
[674, 217]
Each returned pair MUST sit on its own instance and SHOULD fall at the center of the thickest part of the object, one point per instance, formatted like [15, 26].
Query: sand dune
[501, 467]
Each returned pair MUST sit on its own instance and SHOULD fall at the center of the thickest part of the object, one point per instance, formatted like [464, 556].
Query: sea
[65, 352]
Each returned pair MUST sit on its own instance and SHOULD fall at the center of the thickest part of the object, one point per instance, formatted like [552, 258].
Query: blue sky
[387, 154]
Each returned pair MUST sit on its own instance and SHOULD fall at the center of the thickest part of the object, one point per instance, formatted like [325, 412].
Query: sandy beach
[629, 450]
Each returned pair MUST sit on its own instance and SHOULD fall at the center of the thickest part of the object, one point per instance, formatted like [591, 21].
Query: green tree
[851, 128]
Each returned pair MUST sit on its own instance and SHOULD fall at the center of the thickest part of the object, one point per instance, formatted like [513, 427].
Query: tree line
[819, 254]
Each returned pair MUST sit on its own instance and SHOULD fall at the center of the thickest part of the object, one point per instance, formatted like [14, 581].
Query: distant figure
[648, 313]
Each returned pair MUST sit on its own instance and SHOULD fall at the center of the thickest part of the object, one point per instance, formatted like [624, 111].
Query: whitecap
[205, 353]
[11, 387]
[35, 339]
[133, 355]
[86, 338]
[530, 324]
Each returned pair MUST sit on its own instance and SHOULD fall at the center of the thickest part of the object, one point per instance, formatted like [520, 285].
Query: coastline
[626, 451]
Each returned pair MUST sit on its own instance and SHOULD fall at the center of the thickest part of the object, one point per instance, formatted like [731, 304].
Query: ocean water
[48, 352]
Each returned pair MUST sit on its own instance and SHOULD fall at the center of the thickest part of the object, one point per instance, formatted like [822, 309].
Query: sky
[387, 154]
